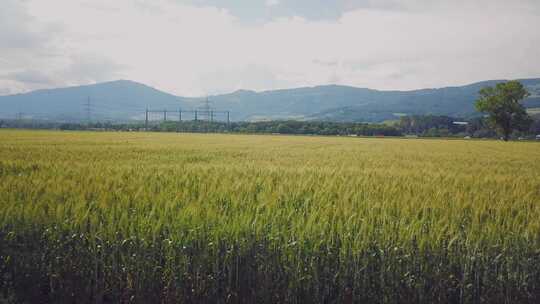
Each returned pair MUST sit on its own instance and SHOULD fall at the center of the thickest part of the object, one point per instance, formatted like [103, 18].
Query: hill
[123, 99]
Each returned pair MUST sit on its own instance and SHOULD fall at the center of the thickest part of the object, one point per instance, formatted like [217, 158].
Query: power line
[88, 108]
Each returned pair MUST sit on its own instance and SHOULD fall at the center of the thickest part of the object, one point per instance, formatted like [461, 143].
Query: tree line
[419, 125]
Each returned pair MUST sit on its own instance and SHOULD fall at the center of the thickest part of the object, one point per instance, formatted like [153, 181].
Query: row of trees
[431, 125]
[267, 127]
[316, 127]
[445, 126]
[421, 125]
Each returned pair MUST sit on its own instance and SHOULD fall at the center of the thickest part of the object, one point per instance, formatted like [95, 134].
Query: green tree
[502, 104]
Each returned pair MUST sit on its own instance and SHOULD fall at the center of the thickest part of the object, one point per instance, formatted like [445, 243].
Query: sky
[201, 47]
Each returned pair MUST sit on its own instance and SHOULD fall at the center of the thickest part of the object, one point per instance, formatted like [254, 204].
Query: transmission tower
[207, 110]
[88, 109]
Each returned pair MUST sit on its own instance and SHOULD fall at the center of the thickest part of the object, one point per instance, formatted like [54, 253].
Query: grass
[190, 218]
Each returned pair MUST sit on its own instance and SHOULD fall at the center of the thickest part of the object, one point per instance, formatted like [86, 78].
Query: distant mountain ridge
[121, 99]
[127, 100]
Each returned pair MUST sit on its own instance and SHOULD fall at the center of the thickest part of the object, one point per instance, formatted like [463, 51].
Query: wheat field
[140, 217]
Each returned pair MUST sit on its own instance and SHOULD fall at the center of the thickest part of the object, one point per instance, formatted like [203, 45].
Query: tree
[502, 104]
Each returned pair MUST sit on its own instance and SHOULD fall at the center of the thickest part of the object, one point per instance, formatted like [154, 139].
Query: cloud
[30, 77]
[202, 49]
[249, 77]
[36, 53]
[330, 63]
[15, 30]
[88, 68]
[272, 2]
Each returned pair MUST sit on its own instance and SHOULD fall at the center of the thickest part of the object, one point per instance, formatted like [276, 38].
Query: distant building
[460, 123]
[538, 137]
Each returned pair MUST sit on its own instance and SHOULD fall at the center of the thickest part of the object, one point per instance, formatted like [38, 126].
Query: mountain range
[127, 100]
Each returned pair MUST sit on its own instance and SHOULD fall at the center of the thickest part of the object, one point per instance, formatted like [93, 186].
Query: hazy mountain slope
[120, 99]
[342, 103]
[128, 100]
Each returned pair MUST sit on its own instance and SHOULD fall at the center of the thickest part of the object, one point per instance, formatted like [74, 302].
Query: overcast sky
[198, 47]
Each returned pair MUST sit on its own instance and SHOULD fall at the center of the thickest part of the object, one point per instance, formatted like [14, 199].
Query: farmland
[191, 218]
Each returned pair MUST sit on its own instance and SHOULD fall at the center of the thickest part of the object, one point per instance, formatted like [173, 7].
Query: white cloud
[272, 2]
[191, 50]
[252, 77]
